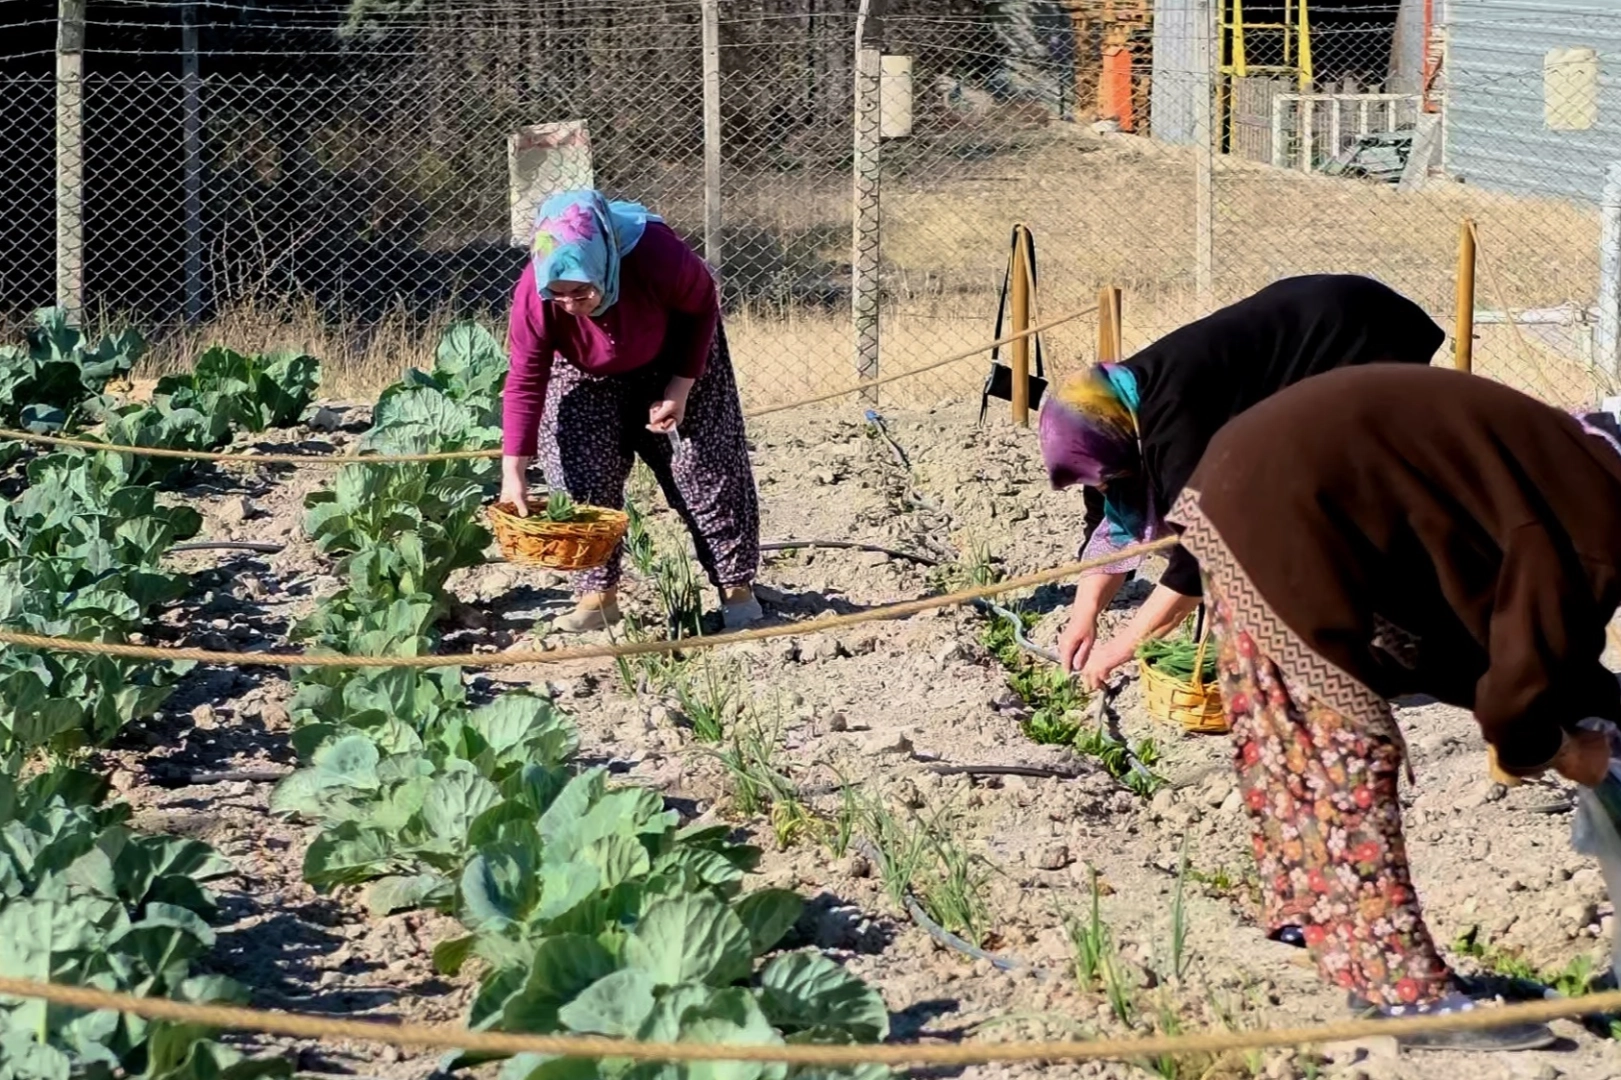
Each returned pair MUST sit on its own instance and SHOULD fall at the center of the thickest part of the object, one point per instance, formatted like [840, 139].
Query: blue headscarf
[581, 236]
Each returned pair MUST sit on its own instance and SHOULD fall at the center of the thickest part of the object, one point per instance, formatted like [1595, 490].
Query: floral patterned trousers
[595, 426]
[1321, 791]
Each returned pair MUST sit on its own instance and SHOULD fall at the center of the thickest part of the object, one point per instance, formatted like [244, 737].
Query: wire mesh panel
[339, 177]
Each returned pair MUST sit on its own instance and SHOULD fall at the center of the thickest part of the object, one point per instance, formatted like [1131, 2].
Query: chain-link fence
[344, 178]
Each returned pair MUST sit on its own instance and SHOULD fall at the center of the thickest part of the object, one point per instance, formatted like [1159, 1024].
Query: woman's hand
[515, 484]
[1076, 641]
[1092, 594]
[1161, 613]
[1106, 659]
[1584, 757]
[666, 414]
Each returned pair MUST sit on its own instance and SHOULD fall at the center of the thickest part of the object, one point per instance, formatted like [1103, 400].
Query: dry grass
[1104, 211]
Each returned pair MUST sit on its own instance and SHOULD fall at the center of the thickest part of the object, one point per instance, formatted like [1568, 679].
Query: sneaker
[1511, 1036]
[1289, 935]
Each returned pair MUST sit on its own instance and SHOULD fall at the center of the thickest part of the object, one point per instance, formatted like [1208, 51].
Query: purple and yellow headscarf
[1088, 431]
[581, 236]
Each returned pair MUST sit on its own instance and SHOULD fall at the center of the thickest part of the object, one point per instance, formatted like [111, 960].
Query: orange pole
[1114, 87]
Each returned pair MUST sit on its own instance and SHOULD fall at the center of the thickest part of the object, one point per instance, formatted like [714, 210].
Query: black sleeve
[1546, 638]
[1182, 573]
[1093, 499]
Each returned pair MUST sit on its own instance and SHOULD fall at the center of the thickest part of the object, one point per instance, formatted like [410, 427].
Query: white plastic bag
[1596, 831]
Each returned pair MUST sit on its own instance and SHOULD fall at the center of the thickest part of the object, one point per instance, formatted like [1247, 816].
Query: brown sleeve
[1545, 639]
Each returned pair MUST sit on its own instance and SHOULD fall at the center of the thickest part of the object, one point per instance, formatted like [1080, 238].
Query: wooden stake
[1110, 346]
[1021, 322]
[1463, 337]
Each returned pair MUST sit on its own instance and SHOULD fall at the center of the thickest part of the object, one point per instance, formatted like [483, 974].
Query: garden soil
[879, 708]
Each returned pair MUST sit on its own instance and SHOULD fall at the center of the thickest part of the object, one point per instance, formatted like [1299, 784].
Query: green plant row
[81, 546]
[1057, 710]
[83, 899]
[587, 907]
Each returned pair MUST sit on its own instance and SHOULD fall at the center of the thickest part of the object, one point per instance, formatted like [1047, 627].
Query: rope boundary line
[450, 1037]
[882, 613]
[12, 435]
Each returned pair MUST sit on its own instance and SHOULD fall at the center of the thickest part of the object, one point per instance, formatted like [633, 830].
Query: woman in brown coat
[1385, 531]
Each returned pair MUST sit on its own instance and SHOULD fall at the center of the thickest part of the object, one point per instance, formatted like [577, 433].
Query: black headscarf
[1193, 380]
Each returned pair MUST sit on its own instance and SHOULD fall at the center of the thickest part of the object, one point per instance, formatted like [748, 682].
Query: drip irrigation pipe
[945, 937]
[850, 545]
[957, 944]
[231, 545]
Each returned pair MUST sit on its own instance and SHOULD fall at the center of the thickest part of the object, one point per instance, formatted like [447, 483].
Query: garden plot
[799, 798]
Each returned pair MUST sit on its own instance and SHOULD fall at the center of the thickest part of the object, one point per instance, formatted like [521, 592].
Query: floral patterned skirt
[1321, 791]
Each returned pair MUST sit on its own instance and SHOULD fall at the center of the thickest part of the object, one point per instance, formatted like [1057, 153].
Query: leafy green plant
[469, 369]
[238, 390]
[1057, 710]
[560, 506]
[86, 902]
[598, 915]
[399, 531]
[79, 558]
[405, 808]
[54, 372]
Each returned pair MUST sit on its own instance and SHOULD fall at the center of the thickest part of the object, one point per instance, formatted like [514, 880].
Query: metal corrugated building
[1497, 133]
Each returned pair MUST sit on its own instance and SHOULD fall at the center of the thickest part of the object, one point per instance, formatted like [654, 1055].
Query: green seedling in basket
[560, 506]
[1176, 657]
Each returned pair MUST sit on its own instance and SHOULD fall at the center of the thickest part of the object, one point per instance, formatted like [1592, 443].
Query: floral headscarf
[1089, 436]
[581, 236]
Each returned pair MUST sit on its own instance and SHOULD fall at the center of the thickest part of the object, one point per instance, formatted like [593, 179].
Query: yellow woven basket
[1195, 705]
[586, 542]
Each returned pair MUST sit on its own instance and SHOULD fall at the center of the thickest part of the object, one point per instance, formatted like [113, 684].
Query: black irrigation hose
[957, 944]
[231, 545]
[164, 778]
[1018, 630]
[850, 545]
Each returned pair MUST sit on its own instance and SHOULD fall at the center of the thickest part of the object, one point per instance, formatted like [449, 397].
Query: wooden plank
[1426, 139]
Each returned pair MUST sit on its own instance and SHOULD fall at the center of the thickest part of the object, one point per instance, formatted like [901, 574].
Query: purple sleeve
[1100, 546]
[683, 281]
[530, 364]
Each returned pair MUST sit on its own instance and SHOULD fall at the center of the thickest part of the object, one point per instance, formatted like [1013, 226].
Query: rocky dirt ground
[881, 708]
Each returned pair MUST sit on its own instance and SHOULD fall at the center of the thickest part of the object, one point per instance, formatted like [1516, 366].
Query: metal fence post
[1607, 343]
[865, 248]
[1463, 335]
[712, 135]
[1204, 195]
[192, 121]
[70, 158]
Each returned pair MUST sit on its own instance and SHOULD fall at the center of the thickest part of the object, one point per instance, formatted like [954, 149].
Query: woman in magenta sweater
[616, 341]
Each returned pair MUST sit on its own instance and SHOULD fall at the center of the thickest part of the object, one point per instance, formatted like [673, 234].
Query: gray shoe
[1511, 1036]
[587, 620]
[737, 616]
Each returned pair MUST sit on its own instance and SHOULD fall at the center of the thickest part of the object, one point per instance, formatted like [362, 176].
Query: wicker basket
[1195, 705]
[586, 542]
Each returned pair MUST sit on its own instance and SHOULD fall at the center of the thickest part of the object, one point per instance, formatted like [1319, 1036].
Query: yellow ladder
[1295, 32]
